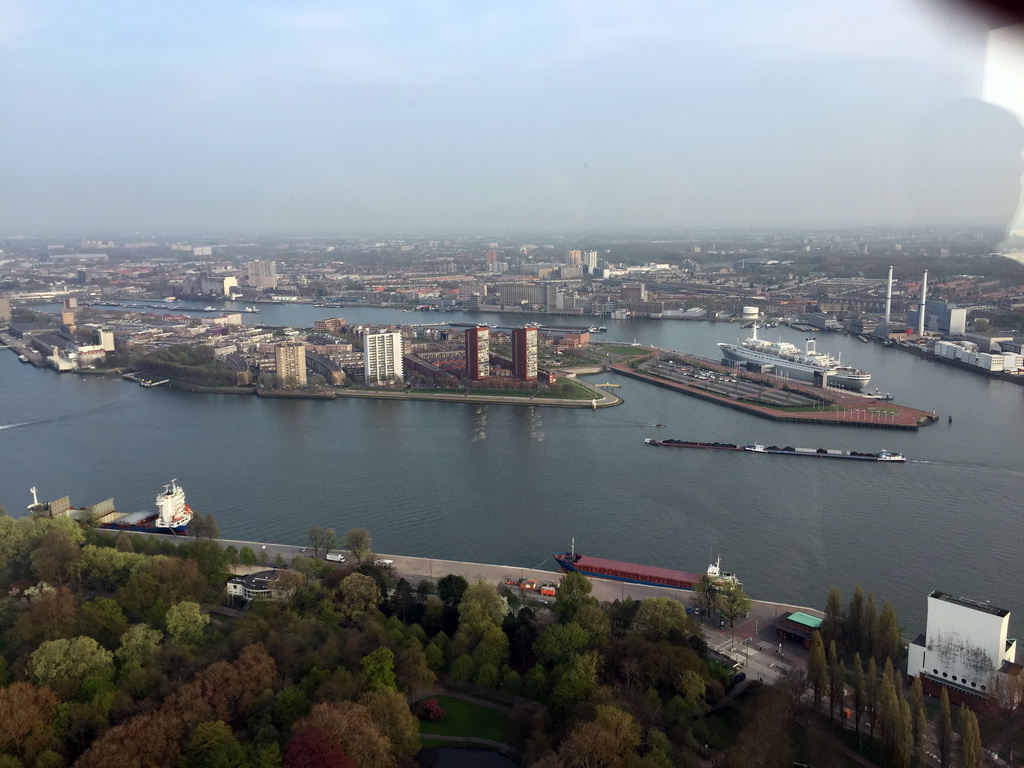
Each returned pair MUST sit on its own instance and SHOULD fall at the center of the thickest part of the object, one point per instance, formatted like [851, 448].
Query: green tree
[573, 593]
[66, 660]
[857, 686]
[691, 688]
[102, 619]
[734, 602]
[944, 731]
[918, 722]
[836, 680]
[451, 588]
[185, 623]
[389, 710]
[817, 669]
[322, 538]
[491, 648]
[197, 526]
[870, 626]
[481, 607]
[213, 745]
[462, 669]
[887, 634]
[832, 623]
[137, 644]
[360, 597]
[52, 559]
[706, 595]
[359, 543]
[612, 738]
[658, 617]
[558, 643]
[855, 620]
[379, 670]
[871, 697]
[247, 556]
[576, 681]
[403, 599]
[211, 529]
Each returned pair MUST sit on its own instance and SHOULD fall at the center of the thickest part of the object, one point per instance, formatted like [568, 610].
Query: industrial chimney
[888, 301]
[924, 302]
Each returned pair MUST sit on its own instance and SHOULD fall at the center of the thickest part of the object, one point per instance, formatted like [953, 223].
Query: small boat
[22, 358]
[659, 425]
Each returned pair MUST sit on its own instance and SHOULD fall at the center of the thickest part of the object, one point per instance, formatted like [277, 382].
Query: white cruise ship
[788, 360]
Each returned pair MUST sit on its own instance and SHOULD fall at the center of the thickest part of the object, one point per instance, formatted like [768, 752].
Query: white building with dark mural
[964, 648]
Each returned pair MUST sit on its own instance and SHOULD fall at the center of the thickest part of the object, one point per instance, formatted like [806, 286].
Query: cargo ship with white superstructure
[787, 359]
[633, 573]
[172, 513]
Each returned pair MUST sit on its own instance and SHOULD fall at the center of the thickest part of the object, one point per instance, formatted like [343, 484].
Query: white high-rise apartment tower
[382, 358]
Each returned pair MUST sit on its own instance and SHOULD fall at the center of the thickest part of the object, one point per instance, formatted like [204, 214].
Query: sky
[433, 117]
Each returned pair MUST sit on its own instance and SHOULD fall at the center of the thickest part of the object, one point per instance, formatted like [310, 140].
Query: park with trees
[119, 650]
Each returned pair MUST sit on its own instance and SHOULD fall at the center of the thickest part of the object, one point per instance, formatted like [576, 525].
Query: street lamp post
[264, 554]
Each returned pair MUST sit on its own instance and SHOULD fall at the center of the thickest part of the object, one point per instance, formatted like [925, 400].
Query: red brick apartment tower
[524, 354]
[478, 359]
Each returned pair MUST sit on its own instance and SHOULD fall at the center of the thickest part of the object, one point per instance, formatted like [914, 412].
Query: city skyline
[339, 118]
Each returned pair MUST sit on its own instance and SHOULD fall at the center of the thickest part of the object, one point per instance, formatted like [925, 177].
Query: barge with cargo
[827, 453]
[633, 573]
[670, 443]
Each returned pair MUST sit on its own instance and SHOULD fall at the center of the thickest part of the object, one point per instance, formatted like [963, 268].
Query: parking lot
[726, 384]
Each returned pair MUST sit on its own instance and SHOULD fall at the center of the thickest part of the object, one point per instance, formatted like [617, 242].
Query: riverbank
[752, 641]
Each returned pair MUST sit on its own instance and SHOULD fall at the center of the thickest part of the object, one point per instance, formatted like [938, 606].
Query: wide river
[514, 484]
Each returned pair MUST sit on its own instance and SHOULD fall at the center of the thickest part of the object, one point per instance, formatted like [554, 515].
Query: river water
[514, 484]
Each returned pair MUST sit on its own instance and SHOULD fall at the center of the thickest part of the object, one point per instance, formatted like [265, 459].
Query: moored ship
[632, 573]
[172, 513]
[807, 365]
[826, 453]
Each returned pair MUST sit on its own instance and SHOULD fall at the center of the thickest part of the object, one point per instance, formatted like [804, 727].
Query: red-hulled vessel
[632, 573]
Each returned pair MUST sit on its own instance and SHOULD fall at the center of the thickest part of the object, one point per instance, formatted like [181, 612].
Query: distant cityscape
[837, 281]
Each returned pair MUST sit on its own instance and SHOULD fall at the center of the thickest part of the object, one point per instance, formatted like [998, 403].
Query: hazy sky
[341, 117]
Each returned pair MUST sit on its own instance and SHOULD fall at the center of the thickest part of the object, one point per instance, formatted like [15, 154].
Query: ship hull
[632, 573]
[144, 528]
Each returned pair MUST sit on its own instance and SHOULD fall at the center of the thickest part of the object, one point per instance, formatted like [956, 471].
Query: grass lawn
[622, 350]
[463, 718]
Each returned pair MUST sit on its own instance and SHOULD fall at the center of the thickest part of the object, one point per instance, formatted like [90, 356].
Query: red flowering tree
[312, 748]
[429, 709]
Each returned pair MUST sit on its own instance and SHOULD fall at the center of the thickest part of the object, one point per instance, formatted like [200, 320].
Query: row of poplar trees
[876, 700]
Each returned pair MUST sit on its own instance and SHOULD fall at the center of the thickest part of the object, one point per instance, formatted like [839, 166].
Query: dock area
[790, 402]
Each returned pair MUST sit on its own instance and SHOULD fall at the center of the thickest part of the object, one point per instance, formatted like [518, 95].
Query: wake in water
[976, 468]
[65, 416]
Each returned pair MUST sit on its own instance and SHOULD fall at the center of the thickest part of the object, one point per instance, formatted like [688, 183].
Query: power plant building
[965, 649]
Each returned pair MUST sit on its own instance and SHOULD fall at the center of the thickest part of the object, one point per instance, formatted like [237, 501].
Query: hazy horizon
[452, 116]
